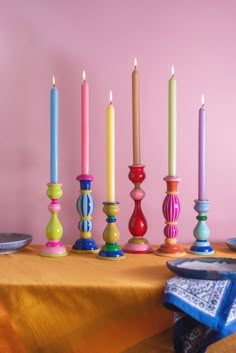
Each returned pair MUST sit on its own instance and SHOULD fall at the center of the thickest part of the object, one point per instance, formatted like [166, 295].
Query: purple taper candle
[202, 152]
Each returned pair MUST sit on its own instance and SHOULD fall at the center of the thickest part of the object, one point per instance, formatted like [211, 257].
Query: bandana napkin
[205, 311]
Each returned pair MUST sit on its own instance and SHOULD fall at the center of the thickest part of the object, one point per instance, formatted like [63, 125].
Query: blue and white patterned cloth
[205, 311]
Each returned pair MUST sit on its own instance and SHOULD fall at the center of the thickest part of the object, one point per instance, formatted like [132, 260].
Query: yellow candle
[110, 151]
[135, 113]
[172, 126]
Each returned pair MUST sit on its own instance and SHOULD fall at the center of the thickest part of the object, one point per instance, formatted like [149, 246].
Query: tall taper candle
[172, 126]
[84, 126]
[135, 114]
[202, 153]
[54, 133]
[110, 151]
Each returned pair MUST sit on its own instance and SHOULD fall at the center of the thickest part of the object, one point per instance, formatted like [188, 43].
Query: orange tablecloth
[79, 304]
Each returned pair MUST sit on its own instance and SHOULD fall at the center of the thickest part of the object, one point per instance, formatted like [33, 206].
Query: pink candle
[84, 126]
[202, 153]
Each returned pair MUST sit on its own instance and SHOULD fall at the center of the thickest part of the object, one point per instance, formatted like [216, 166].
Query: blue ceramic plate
[204, 268]
[12, 242]
[231, 242]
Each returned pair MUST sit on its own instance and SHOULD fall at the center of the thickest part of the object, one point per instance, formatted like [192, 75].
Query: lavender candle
[202, 153]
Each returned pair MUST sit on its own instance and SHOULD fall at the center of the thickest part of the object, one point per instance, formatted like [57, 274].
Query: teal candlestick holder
[111, 250]
[201, 232]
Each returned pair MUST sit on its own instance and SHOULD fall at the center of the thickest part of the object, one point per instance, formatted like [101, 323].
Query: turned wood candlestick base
[201, 232]
[85, 206]
[138, 244]
[54, 231]
[171, 210]
[111, 250]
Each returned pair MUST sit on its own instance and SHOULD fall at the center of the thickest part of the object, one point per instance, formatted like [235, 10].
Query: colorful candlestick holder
[54, 231]
[137, 223]
[201, 232]
[111, 250]
[85, 206]
[171, 210]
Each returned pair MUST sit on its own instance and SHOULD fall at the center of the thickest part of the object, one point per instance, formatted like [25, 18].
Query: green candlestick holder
[54, 231]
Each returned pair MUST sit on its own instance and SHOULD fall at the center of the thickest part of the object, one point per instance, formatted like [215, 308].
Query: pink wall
[42, 38]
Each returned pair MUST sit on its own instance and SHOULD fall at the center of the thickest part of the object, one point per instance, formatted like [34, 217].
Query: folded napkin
[205, 311]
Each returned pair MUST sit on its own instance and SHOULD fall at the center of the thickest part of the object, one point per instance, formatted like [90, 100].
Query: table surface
[79, 303]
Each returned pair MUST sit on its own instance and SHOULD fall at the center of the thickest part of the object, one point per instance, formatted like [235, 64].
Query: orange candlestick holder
[171, 210]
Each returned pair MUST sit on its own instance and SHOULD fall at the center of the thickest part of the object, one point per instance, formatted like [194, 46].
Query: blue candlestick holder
[201, 232]
[85, 206]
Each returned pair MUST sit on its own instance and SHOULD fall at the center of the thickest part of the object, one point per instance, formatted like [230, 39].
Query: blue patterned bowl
[12, 242]
[231, 242]
[204, 267]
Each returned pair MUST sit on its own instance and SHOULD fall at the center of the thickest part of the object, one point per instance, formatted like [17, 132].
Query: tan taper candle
[136, 115]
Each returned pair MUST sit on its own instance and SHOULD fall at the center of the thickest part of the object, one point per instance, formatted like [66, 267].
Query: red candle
[84, 126]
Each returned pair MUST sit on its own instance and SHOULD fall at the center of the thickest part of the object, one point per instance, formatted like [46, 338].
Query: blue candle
[54, 134]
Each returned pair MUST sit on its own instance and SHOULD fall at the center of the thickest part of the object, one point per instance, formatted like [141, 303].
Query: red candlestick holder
[137, 223]
[171, 210]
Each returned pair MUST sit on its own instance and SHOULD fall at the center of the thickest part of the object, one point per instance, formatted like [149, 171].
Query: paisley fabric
[205, 311]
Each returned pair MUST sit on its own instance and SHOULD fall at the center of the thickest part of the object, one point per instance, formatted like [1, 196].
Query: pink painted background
[42, 38]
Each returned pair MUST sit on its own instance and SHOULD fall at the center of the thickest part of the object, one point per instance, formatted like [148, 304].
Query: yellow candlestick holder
[111, 250]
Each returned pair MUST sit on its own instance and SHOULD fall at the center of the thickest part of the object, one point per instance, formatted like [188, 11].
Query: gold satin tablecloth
[80, 304]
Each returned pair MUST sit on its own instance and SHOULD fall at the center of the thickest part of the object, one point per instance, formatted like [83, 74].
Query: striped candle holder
[85, 206]
[171, 210]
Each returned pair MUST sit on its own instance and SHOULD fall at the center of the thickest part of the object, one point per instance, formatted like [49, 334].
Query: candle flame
[135, 63]
[172, 71]
[84, 76]
[53, 81]
[110, 98]
[203, 100]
